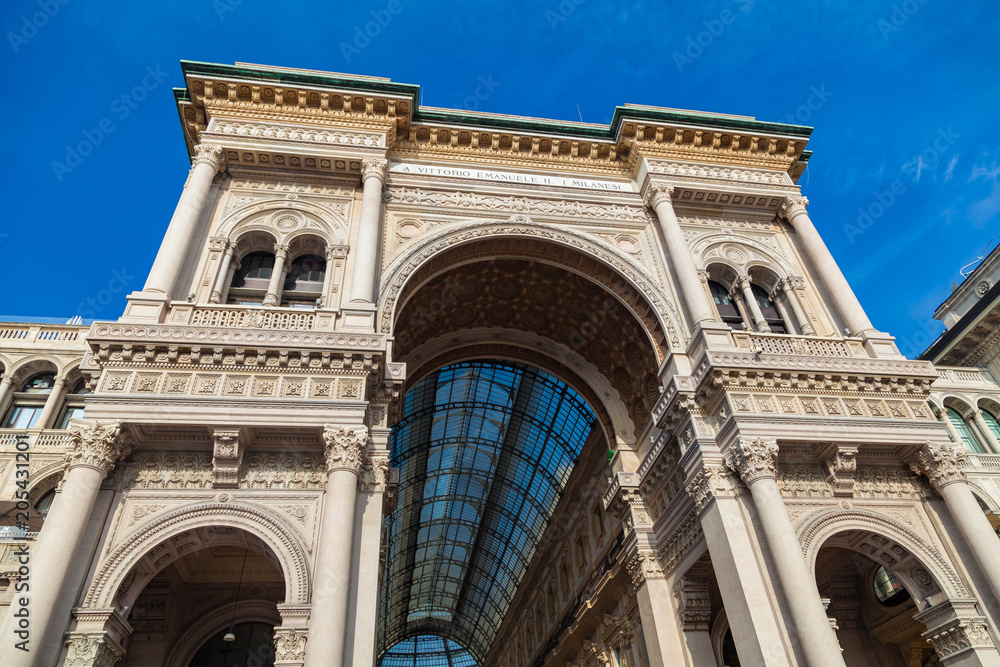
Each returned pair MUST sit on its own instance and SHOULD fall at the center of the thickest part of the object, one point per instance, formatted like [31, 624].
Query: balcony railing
[49, 440]
[245, 317]
[766, 343]
[965, 376]
[20, 335]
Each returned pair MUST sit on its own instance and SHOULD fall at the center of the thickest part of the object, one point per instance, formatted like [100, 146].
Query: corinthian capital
[753, 459]
[209, 154]
[374, 167]
[97, 444]
[942, 463]
[346, 447]
[658, 192]
[794, 206]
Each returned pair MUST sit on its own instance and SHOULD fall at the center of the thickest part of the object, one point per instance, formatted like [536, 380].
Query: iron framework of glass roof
[427, 651]
[484, 451]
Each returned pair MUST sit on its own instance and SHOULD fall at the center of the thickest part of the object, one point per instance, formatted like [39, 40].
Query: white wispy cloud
[951, 168]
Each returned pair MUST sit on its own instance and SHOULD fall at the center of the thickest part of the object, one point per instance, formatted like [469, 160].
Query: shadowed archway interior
[484, 451]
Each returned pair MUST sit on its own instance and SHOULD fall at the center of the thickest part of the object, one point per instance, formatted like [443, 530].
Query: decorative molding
[753, 459]
[374, 167]
[841, 467]
[694, 170]
[227, 458]
[209, 154]
[658, 193]
[96, 444]
[291, 133]
[92, 649]
[793, 206]
[289, 645]
[711, 482]
[941, 463]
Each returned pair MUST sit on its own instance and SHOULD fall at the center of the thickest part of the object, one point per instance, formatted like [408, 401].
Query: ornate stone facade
[763, 472]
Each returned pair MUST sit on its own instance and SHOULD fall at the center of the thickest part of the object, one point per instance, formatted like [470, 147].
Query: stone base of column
[880, 345]
[145, 307]
[357, 317]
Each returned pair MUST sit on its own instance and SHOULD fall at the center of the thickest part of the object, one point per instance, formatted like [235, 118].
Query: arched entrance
[893, 598]
[524, 355]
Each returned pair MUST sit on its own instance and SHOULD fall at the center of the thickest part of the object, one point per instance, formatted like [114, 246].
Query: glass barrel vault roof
[484, 451]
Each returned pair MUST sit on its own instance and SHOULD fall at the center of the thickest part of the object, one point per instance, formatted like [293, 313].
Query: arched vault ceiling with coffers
[544, 299]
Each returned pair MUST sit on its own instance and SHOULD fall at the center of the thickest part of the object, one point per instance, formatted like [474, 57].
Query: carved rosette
[209, 154]
[374, 167]
[970, 633]
[91, 649]
[753, 459]
[942, 463]
[289, 646]
[712, 481]
[97, 444]
[794, 206]
[346, 448]
[644, 565]
[658, 193]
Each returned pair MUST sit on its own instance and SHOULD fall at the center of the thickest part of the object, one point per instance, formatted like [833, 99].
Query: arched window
[727, 309]
[887, 588]
[41, 383]
[44, 503]
[304, 282]
[74, 403]
[251, 279]
[30, 401]
[964, 432]
[992, 423]
[768, 310]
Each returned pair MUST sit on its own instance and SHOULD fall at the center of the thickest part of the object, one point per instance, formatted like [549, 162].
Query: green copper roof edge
[707, 120]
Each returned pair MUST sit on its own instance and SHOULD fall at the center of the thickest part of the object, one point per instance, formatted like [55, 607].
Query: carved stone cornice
[712, 481]
[625, 502]
[346, 448]
[643, 565]
[209, 154]
[374, 167]
[96, 444]
[753, 459]
[941, 463]
[968, 634]
[793, 207]
[227, 458]
[657, 193]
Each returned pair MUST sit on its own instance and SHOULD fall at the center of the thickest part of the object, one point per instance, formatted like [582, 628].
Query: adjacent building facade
[417, 386]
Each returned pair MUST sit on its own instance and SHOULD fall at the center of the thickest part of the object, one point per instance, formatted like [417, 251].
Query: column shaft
[222, 277]
[975, 528]
[987, 433]
[177, 239]
[274, 286]
[230, 274]
[369, 234]
[328, 619]
[800, 317]
[679, 254]
[779, 303]
[52, 403]
[327, 280]
[818, 642]
[760, 324]
[6, 393]
[843, 296]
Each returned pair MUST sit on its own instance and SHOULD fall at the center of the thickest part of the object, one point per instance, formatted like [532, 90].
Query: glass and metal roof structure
[427, 651]
[484, 451]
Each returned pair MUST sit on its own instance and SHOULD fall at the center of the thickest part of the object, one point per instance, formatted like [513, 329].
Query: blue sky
[903, 96]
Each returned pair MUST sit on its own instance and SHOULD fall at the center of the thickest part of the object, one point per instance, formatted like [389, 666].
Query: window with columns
[73, 408]
[304, 283]
[992, 423]
[29, 402]
[767, 308]
[251, 279]
[965, 433]
[724, 305]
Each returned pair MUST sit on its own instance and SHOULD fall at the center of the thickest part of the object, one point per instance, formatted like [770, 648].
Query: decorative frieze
[266, 384]
[194, 470]
[718, 172]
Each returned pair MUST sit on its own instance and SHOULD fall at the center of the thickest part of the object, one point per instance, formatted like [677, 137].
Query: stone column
[97, 447]
[942, 416]
[778, 297]
[208, 160]
[755, 462]
[373, 172]
[230, 274]
[679, 254]
[52, 403]
[760, 324]
[223, 278]
[328, 276]
[749, 599]
[277, 282]
[977, 416]
[788, 284]
[346, 453]
[6, 392]
[847, 303]
[943, 465]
